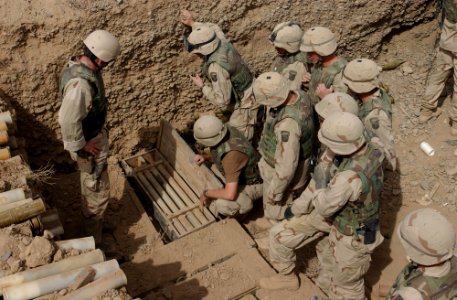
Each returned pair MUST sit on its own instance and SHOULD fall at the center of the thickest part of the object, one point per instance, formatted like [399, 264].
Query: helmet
[271, 89]
[336, 102]
[361, 75]
[103, 45]
[287, 35]
[342, 132]
[427, 236]
[201, 40]
[320, 40]
[209, 131]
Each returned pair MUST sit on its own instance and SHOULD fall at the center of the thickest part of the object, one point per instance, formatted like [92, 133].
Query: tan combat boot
[280, 282]
[263, 243]
[265, 223]
[427, 114]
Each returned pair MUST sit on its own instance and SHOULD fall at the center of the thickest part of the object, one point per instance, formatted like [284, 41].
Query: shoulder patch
[292, 75]
[285, 136]
[213, 76]
[374, 123]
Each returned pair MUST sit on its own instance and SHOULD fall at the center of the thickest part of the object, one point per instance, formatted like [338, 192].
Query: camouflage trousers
[344, 261]
[444, 65]
[94, 186]
[293, 234]
[244, 202]
[275, 211]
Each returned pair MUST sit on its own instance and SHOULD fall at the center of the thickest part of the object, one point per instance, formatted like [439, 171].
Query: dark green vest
[323, 75]
[431, 288]
[450, 10]
[93, 123]
[282, 62]
[228, 58]
[237, 142]
[302, 112]
[354, 216]
[382, 102]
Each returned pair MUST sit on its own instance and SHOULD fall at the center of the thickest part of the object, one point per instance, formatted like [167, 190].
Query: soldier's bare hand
[199, 159]
[306, 77]
[322, 90]
[91, 147]
[186, 17]
[198, 81]
[202, 202]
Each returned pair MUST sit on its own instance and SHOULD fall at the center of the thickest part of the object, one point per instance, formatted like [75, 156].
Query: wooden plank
[169, 189]
[187, 255]
[170, 203]
[180, 156]
[153, 195]
[184, 195]
[229, 279]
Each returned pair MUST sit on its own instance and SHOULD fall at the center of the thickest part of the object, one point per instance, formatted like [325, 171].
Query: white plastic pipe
[15, 204]
[11, 196]
[67, 264]
[111, 281]
[86, 243]
[46, 285]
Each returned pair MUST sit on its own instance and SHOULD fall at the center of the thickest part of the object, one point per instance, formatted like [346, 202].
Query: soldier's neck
[88, 63]
[291, 98]
[329, 60]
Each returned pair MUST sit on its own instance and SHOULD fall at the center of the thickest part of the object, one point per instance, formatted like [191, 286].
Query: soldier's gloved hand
[288, 214]
[321, 176]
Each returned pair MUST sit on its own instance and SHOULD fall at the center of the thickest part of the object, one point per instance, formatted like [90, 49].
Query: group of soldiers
[318, 162]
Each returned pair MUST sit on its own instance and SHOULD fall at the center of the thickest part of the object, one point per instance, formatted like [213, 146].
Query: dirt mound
[150, 79]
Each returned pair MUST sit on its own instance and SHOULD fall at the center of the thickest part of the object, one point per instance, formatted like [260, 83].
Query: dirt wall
[150, 78]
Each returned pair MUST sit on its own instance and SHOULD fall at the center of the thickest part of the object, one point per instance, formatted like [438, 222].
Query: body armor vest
[237, 142]
[93, 123]
[431, 288]
[228, 58]
[355, 216]
[281, 62]
[323, 75]
[450, 10]
[301, 111]
[382, 102]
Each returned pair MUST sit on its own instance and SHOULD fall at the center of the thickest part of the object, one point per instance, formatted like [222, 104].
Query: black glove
[288, 214]
[321, 176]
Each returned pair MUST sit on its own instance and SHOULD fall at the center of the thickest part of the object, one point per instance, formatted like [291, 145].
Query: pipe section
[85, 243]
[11, 196]
[22, 212]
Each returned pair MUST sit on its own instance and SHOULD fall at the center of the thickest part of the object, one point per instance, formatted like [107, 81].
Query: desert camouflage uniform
[445, 62]
[229, 87]
[81, 117]
[292, 66]
[439, 282]
[286, 167]
[330, 76]
[376, 115]
[250, 188]
[343, 255]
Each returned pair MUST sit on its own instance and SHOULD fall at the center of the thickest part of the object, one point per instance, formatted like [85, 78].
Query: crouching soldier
[236, 159]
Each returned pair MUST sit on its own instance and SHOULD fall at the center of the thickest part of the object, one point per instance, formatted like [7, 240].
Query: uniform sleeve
[219, 89]
[233, 163]
[294, 73]
[303, 204]
[75, 107]
[286, 157]
[408, 293]
[345, 186]
[378, 123]
[338, 84]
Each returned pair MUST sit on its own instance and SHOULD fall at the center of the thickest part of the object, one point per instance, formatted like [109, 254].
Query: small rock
[455, 152]
[396, 192]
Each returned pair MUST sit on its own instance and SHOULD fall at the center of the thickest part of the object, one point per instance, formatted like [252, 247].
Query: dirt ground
[125, 233]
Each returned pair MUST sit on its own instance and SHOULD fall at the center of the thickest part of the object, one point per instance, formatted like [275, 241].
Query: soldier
[362, 78]
[320, 45]
[444, 65]
[302, 223]
[82, 118]
[351, 200]
[236, 159]
[228, 78]
[286, 143]
[289, 61]
[429, 242]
